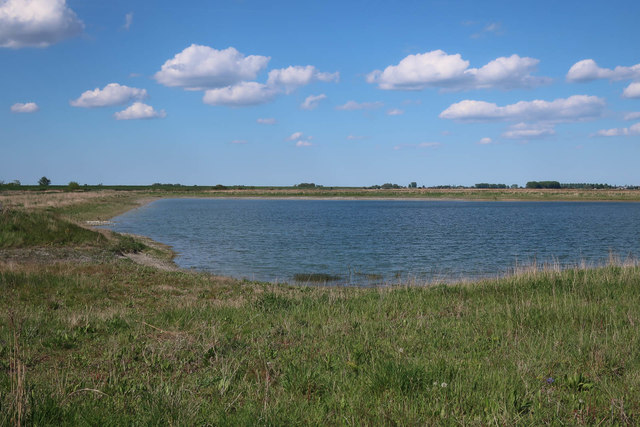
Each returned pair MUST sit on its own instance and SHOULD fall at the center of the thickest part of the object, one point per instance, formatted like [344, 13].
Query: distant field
[89, 337]
[105, 202]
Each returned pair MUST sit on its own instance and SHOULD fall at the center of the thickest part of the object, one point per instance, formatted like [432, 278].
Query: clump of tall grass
[315, 278]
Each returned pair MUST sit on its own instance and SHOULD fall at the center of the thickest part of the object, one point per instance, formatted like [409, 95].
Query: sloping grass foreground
[120, 344]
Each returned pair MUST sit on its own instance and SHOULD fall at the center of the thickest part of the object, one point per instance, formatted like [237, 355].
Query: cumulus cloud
[312, 101]
[240, 95]
[112, 94]
[395, 112]
[301, 139]
[632, 116]
[139, 111]
[353, 105]
[632, 91]
[202, 67]
[491, 28]
[266, 121]
[227, 76]
[36, 23]
[631, 130]
[528, 131]
[437, 69]
[485, 141]
[588, 70]
[574, 108]
[28, 107]
[295, 135]
[290, 78]
[128, 21]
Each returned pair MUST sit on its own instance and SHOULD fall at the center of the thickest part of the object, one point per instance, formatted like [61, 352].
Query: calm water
[272, 240]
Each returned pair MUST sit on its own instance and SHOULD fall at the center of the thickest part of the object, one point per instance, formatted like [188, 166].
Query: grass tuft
[315, 277]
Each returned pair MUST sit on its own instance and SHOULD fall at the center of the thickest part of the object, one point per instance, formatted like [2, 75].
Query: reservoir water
[374, 242]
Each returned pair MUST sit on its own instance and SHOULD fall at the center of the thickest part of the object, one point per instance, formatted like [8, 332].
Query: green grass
[20, 229]
[123, 344]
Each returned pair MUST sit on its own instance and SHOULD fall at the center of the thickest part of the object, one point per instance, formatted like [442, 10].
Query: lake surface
[374, 242]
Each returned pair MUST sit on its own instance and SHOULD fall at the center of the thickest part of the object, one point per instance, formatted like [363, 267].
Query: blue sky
[337, 93]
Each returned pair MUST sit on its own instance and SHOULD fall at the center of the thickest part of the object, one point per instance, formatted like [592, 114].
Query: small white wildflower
[435, 383]
[443, 385]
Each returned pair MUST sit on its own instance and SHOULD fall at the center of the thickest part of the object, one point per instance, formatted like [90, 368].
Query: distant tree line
[385, 186]
[543, 184]
[487, 185]
[588, 186]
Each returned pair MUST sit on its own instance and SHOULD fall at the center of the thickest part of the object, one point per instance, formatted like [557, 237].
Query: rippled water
[383, 241]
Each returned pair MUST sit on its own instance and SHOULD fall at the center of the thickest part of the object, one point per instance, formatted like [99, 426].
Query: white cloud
[631, 130]
[112, 94]
[395, 112]
[239, 141]
[485, 141]
[301, 139]
[139, 111]
[240, 95]
[28, 107]
[438, 69]
[202, 67]
[128, 21]
[290, 78]
[36, 23]
[493, 28]
[355, 137]
[632, 91]
[429, 144]
[294, 136]
[587, 70]
[529, 131]
[353, 105]
[266, 121]
[632, 116]
[227, 76]
[574, 108]
[312, 101]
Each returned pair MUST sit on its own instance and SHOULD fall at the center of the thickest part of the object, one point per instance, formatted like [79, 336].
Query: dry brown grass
[51, 198]
[17, 374]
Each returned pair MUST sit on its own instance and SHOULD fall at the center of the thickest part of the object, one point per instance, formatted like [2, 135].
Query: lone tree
[44, 182]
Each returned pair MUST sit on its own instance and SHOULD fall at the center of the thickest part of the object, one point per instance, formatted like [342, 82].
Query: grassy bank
[102, 340]
[118, 343]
